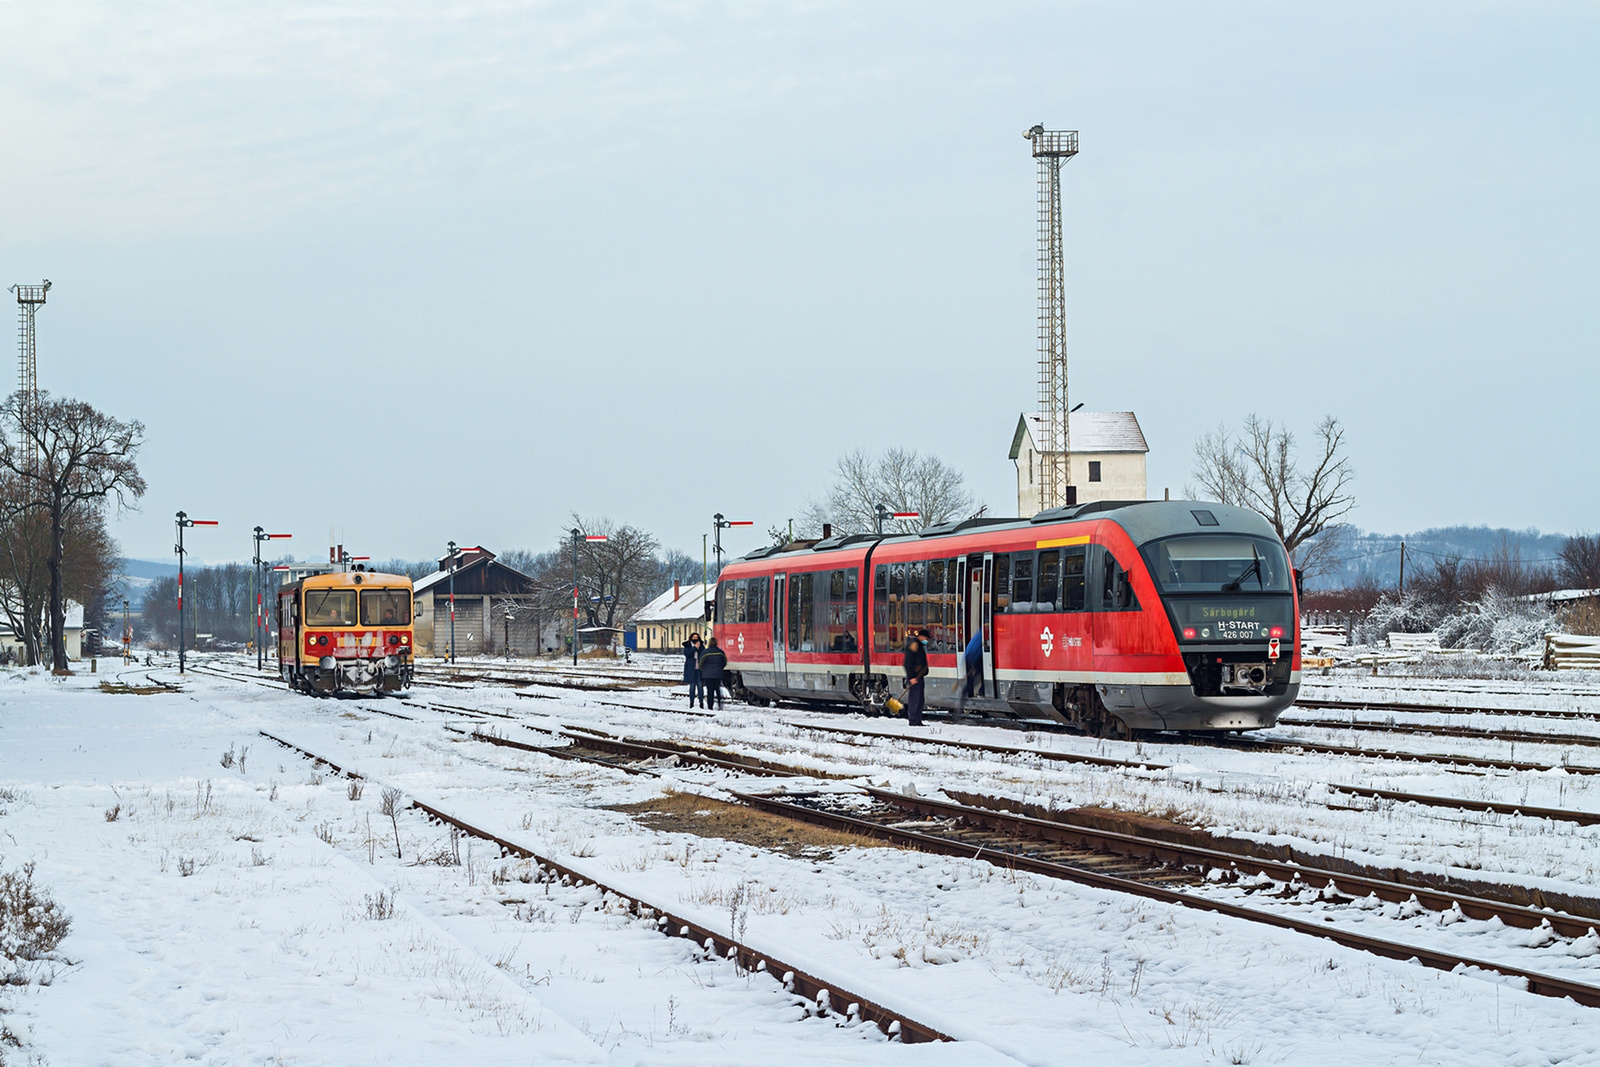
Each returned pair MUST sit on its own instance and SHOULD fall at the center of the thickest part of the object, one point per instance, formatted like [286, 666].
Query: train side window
[897, 604]
[850, 598]
[1116, 591]
[1072, 574]
[799, 613]
[1002, 582]
[916, 590]
[1022, 582]
[880, 608]
[1047, 581]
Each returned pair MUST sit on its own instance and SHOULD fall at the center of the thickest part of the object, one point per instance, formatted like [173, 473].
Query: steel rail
[1542, 984]
[1287, 744]
[1587, 818]
[820, 993]
[1063, 828]
[1406, 707]
[581, 737]
[1518, 736]
[975, 746]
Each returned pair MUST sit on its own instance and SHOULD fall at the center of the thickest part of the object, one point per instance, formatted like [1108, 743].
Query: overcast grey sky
[484, 264]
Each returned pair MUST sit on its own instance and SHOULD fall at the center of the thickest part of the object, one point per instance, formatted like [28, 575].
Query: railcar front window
[385, 607]
[1218, 563]
[330, 607]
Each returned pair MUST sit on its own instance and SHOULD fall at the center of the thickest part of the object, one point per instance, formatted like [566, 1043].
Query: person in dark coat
[972, 659]
[916, 674]
[712, 662]
[691, 668]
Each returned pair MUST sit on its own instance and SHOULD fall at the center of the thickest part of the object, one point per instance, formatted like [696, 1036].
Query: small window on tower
[1094, 470]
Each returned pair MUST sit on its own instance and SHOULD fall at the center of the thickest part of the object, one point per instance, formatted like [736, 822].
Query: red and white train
[1115, 616]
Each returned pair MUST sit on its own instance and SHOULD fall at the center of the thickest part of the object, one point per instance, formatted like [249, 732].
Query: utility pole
[1052, 149]
[1402, 568]
[258, 583]
[127, 635]
[184, 522]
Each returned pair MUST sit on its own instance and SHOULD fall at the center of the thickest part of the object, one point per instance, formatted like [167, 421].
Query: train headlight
[1276, 631]
[405, 639]
[1188, 633]
[394, 639]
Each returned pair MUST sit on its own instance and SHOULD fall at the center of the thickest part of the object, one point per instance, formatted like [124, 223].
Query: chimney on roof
[674, 590]
[827, 530]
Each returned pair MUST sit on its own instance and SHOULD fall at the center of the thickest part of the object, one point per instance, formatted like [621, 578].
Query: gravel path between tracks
[270, 951]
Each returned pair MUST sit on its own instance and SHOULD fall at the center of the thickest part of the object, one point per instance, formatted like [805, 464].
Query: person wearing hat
[916, 666]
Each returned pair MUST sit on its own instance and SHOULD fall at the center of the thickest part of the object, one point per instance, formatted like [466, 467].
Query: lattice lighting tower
[1052, 148]
[29, 299]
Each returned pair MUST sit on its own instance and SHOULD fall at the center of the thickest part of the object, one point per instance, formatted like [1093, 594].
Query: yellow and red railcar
[346, 632]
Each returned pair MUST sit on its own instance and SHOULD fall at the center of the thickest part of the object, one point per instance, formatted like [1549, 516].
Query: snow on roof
[1088, 431]
[431, 580]
[691, 604]
[1560, 596]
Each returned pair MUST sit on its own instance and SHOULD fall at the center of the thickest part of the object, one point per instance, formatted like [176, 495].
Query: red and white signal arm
[1272, 648]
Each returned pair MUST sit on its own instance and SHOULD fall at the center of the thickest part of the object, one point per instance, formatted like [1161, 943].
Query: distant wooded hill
[1363, 557]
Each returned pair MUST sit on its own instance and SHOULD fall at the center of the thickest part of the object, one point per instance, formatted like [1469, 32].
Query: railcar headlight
[405, 639]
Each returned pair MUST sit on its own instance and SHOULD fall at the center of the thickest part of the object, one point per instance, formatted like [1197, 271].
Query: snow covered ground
[258, 913]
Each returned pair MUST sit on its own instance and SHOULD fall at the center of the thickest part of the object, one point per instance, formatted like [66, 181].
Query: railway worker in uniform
[972, 660]
[691, 668]
[916, 672]
[712, 662]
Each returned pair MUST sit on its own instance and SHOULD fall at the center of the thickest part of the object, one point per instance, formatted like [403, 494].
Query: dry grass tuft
[690, 813]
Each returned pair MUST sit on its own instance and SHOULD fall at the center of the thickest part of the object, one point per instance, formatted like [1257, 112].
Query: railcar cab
[346, 632]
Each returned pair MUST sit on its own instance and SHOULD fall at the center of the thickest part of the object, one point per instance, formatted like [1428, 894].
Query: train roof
[350, 579]
[1144, 520]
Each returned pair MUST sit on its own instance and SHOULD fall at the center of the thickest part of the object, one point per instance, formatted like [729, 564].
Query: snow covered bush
[1497, 623]
[32, 925]
[1391, 614]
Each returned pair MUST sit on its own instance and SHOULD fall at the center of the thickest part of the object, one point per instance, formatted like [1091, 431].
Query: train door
[963, 625]
[983, 588]
[779, 604]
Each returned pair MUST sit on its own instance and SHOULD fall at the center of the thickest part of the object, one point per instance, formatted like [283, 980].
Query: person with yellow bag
[916, 666]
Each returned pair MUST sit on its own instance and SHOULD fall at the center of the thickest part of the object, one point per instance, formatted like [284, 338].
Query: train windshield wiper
[1254, 568]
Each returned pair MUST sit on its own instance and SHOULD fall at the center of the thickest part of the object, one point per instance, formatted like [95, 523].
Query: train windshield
[386, 607]
[330, 607]
[1218, 563]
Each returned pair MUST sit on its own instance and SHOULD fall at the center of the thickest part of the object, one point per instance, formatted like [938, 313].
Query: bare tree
[901, 480]
[619, 568]
[84, 458]
[1580, 562]
[1260, 470]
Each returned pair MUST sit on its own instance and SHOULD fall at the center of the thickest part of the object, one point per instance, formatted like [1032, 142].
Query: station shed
[486, 591]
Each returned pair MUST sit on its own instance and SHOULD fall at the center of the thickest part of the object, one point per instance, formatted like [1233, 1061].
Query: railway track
[1046, 848]
[819, 995]
[1530, 737]
[1407, 708]
[1586, 818]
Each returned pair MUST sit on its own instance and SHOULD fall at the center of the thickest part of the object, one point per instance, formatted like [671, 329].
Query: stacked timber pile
[1571, 652]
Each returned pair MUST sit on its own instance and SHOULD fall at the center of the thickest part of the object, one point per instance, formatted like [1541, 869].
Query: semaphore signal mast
[1052, 148]
[29, 299]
